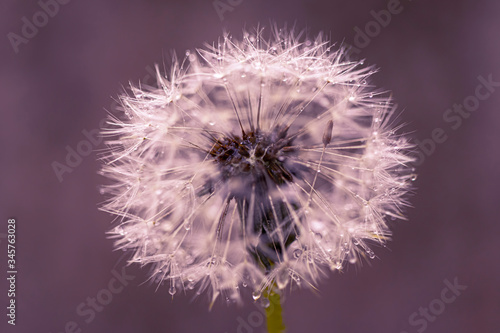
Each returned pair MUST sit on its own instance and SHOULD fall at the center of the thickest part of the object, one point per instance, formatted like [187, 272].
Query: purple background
[59, 83]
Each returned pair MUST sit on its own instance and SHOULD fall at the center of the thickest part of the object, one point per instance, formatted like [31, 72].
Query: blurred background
[63, 62]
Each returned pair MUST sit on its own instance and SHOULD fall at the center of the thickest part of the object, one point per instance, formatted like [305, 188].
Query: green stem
[274, 313]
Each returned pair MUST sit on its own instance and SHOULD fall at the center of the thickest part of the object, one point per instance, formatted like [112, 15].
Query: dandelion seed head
[255, 162]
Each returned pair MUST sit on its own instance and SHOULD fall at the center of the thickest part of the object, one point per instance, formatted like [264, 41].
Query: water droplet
[351, 98]
[265, 302]
[346, 248]
[282, 279]
[172, 290]
[187, 226]
[413, 177]
[211, 123]
[256, 295]
[310, 258]
[297, 253]
[244, 284]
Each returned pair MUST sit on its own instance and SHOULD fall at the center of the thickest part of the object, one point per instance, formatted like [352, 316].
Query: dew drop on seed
[282, 279]
[265, 302]
[414, 177]
[310, 258]
[297, 253]
[295, 278]
[172, 290]
[211, 123]
[256, 295]
[244, 284]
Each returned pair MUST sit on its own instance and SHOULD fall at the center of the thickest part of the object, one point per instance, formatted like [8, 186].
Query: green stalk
[274, 313]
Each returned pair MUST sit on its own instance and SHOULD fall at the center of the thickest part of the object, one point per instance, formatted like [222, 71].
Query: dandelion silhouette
[259, 163]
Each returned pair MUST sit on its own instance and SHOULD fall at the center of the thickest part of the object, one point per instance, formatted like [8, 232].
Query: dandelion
[258, 164]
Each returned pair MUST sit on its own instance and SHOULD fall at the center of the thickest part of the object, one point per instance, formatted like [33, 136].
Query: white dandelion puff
[255, 163]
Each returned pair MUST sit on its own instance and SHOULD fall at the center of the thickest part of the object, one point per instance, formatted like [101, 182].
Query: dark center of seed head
[254, 154]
